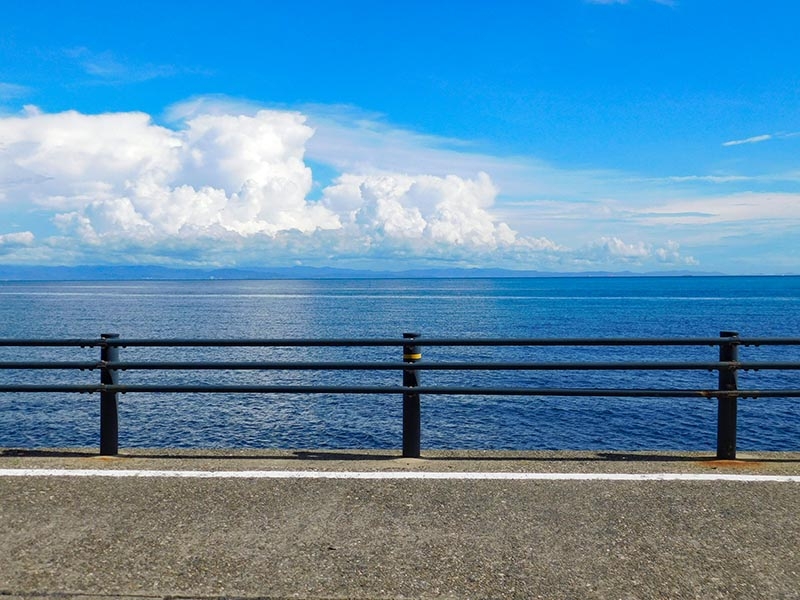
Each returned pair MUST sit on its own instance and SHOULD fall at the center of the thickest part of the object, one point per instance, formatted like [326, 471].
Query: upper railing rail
[110, 366]
[377, 342]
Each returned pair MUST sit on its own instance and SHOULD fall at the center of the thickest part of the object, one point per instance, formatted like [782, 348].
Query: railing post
[727, 406]
[109, 419]
[411, 408]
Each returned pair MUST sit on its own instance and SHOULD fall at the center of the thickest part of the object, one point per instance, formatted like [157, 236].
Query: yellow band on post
[412, 356]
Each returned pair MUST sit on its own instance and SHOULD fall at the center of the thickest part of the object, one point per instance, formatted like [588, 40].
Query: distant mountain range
[131, 272]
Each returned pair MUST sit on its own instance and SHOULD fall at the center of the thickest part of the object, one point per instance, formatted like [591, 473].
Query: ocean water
[363, 308]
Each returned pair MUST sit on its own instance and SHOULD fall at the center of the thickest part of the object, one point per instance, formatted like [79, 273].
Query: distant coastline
[143, 272]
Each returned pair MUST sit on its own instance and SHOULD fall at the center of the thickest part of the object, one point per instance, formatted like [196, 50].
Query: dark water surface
[541, 308]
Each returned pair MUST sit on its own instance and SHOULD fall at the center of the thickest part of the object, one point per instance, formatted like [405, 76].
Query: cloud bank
[235, 188]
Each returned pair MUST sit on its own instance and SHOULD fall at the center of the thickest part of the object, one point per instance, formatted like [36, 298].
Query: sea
[548, 307]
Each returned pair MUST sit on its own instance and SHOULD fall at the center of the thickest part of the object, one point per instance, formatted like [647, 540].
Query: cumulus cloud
[121, 175]
[614, 249]
[12, 242]
[671, 254]
[448, 210]
[20, 238]
[221, 179]
[228, 185]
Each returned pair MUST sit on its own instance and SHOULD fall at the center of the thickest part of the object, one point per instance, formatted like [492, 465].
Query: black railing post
[727, 405]
[411, 408]
[109, 419]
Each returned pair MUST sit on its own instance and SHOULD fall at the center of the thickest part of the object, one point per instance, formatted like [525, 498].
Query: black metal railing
[110, 365]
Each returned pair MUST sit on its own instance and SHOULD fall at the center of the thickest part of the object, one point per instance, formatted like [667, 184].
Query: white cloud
[11, 243]
[704, 178]
[21, 238]
[751, 140]
[121, 175]
[109, 68]
[446, 210]
[747, 210]
[671, 254]
[763, 138]
[614, 249]
[11, 91]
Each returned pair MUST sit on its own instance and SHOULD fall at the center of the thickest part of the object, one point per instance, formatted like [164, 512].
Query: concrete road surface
[273, 524]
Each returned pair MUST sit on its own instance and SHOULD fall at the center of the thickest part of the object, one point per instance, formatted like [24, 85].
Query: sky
[557, 135]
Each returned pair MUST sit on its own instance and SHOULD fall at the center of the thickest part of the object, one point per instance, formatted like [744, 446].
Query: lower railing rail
[110, 366]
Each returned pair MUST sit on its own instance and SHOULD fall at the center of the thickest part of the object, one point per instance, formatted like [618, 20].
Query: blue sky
[562, 135]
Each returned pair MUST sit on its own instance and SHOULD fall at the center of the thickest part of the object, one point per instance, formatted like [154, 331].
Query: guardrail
[109, 365]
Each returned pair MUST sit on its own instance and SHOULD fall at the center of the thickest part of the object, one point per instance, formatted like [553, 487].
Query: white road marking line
[457, 476]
